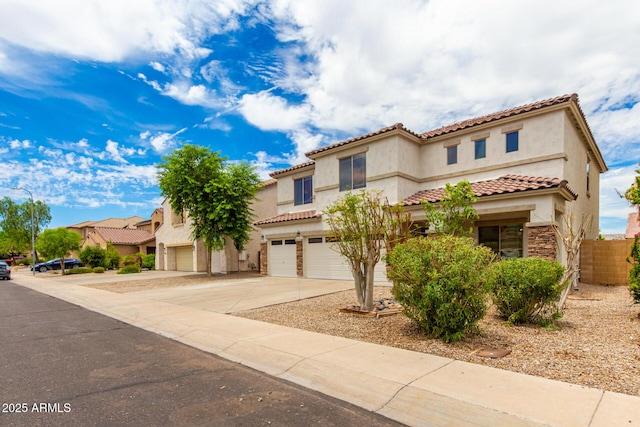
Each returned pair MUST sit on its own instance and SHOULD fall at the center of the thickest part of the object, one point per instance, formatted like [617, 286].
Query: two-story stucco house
[528, 165]
[176, 249]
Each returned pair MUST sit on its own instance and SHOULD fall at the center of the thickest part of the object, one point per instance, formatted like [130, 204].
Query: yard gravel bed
[596, 344]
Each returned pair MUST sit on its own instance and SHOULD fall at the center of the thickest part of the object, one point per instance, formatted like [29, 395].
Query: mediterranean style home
[176, 249]
[528, 165]
[128, 235]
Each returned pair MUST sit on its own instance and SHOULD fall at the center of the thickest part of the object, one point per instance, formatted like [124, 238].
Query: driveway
[233, 295]
[219, 295]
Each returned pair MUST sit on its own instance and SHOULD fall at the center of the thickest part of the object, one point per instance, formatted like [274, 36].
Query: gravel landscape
[596, 343]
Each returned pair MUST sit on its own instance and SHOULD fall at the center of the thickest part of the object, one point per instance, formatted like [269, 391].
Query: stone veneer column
[264, 265]
[299, 259]
[542, 242]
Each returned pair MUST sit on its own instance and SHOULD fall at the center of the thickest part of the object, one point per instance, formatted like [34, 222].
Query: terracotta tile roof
[397, 126]
[288, 217]
[500, 115]
[633, 225]
[124, 236]
[292, 168]
[502, 185]
[268, 183]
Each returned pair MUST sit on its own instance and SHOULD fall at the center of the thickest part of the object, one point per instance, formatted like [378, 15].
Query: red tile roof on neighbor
[633, 225]
[288, 217]
[124, 236]
[504, 184]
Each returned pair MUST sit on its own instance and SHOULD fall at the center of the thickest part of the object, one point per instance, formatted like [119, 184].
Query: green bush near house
[129, 269]
[98, 269]
[112, 257]
[526, 290]
[440, 282]
[93, 256]
[149, 261]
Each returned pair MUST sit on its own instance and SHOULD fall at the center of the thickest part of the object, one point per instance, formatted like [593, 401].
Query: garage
[184, 258]
[282, 258]
[322, 262]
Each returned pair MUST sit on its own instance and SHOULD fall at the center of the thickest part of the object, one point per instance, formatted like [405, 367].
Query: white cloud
[161, 141]
[114, 30]
[613, 208]
[269, 112]
[16, 144]
[113, 149]
[157, 66]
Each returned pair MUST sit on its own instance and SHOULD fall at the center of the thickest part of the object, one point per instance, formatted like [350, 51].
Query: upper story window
[452, 155]
[177, 218]
[588, 172]
[353, 172]
[512, 141]
[481, 148]
[303, 190]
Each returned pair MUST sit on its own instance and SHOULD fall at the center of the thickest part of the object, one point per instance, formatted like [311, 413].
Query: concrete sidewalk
[414, 388]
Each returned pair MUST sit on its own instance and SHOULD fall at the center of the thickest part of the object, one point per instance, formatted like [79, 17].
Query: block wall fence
[603, 262]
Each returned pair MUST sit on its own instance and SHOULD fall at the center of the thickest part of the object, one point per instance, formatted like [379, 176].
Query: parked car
[54, 264]
[5, 271]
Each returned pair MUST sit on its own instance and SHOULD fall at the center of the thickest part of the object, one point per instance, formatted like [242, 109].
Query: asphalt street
[63, 365]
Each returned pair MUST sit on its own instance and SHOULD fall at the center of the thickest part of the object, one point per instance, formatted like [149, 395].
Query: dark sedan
[5, 271]
[54, 264]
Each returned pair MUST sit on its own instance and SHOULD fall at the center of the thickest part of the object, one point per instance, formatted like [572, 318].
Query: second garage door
[322, 262]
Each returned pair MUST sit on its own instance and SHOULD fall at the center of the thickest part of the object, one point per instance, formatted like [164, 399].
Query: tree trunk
[209, 273]
[369, 275]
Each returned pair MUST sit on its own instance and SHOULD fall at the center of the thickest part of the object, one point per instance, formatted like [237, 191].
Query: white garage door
[184, 258]
[322, 262]
[282, 258]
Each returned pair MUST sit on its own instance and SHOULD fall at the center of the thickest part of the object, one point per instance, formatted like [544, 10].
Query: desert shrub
[128, 269]
[440, 283]
[93, 256]
[135, 259]
[149, 261]
[79, 270]
[112, 257]
[98, 269]
[526, 289]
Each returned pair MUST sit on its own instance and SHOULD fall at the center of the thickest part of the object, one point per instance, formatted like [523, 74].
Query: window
[512, 141]
[177, 218]
[315, 239]
[303, 190]
[481, 148]
[452, 155]
[353, 172]
[505, 240]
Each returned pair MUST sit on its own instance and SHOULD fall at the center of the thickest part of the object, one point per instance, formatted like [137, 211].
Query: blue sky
[93, 94]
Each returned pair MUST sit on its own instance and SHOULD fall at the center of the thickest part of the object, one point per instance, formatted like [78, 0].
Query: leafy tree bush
[149, 261]
[128, 269]
[440, 282]
[454, 212]
[58, 243]
[93, 256]
[112, 257]
[134, 259]
[98, 269]
[526, 289]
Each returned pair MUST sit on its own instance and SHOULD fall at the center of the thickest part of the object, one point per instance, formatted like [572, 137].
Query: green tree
[58, 243]
[454, 211]
[15, 223]
[633, 192]
[216, 194]
[112, 257]
[364, 224]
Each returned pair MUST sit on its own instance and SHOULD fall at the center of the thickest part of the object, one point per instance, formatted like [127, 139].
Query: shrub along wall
[603, 262]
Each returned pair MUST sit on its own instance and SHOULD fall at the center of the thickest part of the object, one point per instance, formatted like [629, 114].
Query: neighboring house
[633, 225]
[126, 241]
[528, 165]
[86, 227]
[178, 251]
